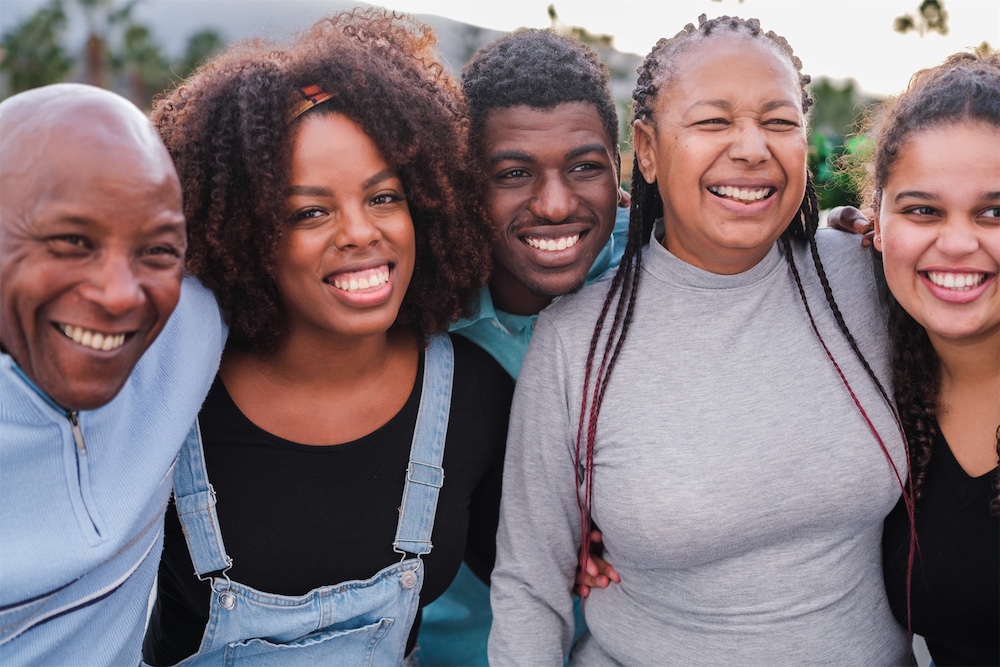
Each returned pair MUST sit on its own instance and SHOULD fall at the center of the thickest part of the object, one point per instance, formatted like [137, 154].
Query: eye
[69, 244]
[781, 123]
[587, 166]
[306, 214]
[921, 213]
[163, 256]
[385, 198]
[713, 123]
[164, 250]
[993, 212]
[515, 173]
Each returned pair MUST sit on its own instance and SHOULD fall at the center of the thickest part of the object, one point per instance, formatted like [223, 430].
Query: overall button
[408, 579]
[227, 600]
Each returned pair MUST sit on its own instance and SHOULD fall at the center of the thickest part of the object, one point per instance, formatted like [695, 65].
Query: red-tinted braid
[907, 489]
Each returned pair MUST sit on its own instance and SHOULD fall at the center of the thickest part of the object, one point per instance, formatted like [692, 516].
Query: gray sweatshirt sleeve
[539, 520]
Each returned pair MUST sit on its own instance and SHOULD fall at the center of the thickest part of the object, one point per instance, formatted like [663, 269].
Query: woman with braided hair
[935, 188]
[721, 423]
[331, 207]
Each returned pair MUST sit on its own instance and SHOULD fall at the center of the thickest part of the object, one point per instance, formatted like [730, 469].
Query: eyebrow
[174, 227]
[520, 156]
[321, 191]
[515, 156]
[919, 194]
[914, 194]
[726, 105]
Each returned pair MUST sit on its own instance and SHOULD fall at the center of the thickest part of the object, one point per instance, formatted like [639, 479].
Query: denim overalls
[351, 623]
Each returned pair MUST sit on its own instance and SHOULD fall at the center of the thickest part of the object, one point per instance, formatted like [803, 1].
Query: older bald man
[98, 388]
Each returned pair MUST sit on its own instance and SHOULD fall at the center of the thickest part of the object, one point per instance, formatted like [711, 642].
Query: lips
[957, 281]
[552, 244]
[957, 287]
[747, 195]
[365, 279]
[92, 339]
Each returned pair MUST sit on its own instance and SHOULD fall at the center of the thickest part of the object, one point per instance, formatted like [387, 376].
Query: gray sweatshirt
[740, 490]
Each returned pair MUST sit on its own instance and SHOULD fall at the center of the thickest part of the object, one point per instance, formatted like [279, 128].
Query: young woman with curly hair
[331, 206]
[935, 188]
[725, 420]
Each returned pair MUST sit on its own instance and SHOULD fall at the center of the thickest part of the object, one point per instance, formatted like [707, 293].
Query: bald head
[92, 239]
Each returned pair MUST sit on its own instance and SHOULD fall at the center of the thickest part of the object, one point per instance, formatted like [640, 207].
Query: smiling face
[728, 152]
[92, 247]
[938, 228]
[348, 254]
[551, 198]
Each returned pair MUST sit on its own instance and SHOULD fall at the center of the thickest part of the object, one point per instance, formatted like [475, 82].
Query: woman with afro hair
[331, 206]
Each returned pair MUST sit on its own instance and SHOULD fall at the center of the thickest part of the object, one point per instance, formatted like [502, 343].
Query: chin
[80, 396]
[553, 288]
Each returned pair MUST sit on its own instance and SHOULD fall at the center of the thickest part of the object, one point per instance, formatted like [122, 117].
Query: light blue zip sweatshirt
[82, 497]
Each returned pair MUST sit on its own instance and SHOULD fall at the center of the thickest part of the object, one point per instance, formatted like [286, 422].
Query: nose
[114, 286]
[957, 237]
[749, 144]
[355, 229]
[553, 200]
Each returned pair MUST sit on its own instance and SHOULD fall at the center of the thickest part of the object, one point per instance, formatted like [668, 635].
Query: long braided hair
[647, 207]
[964, 89]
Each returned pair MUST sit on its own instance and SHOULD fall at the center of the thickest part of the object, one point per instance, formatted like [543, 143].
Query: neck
[973, 363]
[319, 361]
[511, 295]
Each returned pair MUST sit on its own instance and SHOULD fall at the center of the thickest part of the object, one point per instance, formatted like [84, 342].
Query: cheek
[165, 292]
[499, 207]
[901, 248]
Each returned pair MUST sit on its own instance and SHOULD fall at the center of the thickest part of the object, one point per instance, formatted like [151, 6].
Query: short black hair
[540, 69]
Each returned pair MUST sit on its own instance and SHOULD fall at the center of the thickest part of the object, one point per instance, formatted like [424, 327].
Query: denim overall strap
[424, 474]
[195, 501]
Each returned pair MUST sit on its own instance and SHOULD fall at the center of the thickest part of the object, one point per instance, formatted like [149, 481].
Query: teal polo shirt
[505, 335]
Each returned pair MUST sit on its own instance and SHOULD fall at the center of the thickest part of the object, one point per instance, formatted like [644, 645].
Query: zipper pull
[74, 421]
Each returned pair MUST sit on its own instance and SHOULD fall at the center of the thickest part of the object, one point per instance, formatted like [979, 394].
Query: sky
[836, 38]
[839, 39]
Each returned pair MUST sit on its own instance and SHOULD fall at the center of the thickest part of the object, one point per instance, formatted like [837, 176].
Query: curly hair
[647, 206]
[539, 69]
[227, 128]
[964, 89]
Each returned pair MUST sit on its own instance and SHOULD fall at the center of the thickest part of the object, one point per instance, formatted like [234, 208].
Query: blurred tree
[140, 59]
[107, 24]
[930, 17]
[119, 53]
[836, 115]
[582, 34]
[32, 52]
[201, 46]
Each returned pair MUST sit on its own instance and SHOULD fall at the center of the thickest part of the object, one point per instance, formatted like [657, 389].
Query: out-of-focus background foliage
[122, 52]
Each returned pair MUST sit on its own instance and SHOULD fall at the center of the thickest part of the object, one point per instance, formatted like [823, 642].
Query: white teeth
[956, 281]
[92, 339]
[362, 280]
[740, 194]
[552, 245]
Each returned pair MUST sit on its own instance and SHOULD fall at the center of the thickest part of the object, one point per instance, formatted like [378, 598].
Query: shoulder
[845, 259]
[573, 316]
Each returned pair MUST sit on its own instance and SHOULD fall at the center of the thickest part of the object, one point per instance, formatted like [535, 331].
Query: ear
[877, 220]
[644, 140]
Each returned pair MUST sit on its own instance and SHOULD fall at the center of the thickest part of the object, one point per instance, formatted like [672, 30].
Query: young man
[545, 128]
[97, 388]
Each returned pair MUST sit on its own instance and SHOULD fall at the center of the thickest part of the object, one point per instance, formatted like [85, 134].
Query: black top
[955, 597]
[296, 517]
